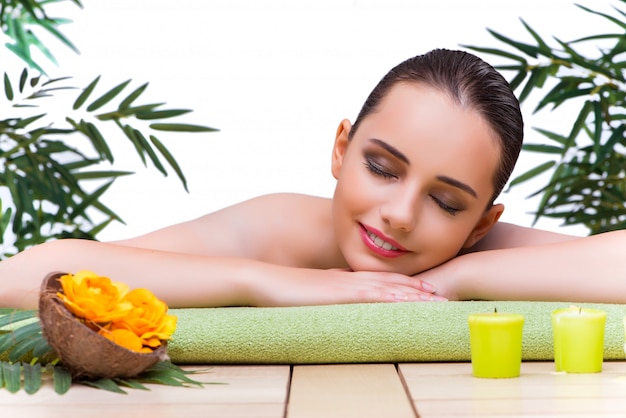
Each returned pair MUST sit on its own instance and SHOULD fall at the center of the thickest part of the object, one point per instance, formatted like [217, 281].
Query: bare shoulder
[274, 228]
[506, 235]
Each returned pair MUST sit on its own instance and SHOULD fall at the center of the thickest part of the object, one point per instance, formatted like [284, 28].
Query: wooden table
[346, 390]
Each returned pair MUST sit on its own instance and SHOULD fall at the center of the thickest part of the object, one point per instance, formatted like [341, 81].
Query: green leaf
[170, 160]
[543, 49]
[62, 379]
[54, 31]
[132, 97]
[104, 384]
[534, 172]
[162, 114]
[498, 52]
[86, 93]
[578, 124]
[544, 149]
[518, 79]
[23, 78]
[16, 316]
[181, 127]
[553, 136]
[107, 97]
[148, 149]
[606, 16]
[23, 347]
[130, 383]
[525, 48]
[8, 89]
[32, 377]
[98, 141]
[12, 376]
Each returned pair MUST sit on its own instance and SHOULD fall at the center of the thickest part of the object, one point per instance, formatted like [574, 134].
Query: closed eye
[443, 205]
[378, 170]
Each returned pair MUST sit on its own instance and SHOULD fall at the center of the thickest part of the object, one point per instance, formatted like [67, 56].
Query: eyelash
[452, 211]
[376, 170]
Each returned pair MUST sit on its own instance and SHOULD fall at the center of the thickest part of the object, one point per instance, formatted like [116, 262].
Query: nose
[401, 209]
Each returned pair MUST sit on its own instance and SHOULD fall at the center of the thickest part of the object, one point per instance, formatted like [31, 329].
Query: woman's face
[414, 182]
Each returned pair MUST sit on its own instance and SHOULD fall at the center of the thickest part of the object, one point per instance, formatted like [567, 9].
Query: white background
[276, 77]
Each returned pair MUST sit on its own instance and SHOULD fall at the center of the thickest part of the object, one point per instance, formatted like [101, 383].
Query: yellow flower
[94, 298]
[147, 319]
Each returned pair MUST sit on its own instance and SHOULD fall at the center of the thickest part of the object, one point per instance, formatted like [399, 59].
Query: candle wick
[580, 311]
[495, 310]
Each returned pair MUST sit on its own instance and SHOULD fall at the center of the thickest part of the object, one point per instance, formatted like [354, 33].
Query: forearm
[181, 280]
[590, 269]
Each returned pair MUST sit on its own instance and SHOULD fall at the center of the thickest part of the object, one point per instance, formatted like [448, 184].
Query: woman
[412, 218]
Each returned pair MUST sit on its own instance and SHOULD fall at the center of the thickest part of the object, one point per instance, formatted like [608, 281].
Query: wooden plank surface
[447, 390]
[239, 392]
[348, 390]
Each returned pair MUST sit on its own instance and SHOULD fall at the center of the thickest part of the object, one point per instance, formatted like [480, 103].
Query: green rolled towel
[363, 333]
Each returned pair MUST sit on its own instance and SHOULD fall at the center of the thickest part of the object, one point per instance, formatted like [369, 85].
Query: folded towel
[363, 333]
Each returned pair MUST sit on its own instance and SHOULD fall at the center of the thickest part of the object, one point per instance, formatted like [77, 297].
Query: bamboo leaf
[62, 379]
[606, 16]
[98, 141]
[107, 97]
[32, 377]
[534, 172]
[544, 49]
[498, 52]
[518, 79]
[55, 32]
[181, 127]
[132, 97]
[527, 49]
[545, 149]
[86, 93]
[170, 160]
[8, 89]
[23, 79]
[597, 124]
[553, 136]
[148, 150]
[162, 114]
[578, 124]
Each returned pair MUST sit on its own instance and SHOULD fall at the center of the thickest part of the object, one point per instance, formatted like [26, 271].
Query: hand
[285, 286]
[445, 278]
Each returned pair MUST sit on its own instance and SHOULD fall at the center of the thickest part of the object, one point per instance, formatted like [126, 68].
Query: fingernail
[428, 287]
[400, 298]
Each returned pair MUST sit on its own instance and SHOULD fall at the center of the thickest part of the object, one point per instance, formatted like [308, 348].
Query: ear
[341, 144]
[484, 225]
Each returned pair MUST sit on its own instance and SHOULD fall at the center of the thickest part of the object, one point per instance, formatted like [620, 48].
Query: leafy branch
[45, 175]
[587, 185]
[19, 20]
[24, 340]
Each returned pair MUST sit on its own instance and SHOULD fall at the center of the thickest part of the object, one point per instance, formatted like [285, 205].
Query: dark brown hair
[472, 83]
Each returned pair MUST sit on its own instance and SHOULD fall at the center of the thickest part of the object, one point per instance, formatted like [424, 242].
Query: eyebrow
[448, 180]
[391, 150]
[458, 184]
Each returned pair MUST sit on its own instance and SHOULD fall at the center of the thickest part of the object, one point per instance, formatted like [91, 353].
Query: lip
[375, 248]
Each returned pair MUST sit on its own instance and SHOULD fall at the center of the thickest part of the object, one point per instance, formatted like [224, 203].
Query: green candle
[496, 344]
[578, 339]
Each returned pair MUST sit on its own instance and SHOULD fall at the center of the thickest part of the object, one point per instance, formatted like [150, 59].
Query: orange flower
[94, 298]
[147, 319]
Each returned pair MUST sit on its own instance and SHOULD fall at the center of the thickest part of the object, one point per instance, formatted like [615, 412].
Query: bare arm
[589, 269]
[216, 260]
[505, 235]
